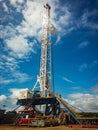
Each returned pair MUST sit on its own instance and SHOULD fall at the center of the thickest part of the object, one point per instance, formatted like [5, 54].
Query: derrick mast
[45, 77]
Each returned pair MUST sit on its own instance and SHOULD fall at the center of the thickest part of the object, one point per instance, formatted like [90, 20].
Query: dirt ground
[10, 127]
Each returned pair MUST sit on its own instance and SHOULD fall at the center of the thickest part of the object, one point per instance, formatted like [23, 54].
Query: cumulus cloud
[29, 25]
[18, 4]
[20, 46]
[32, 14]
[2, 98]
[86, 102]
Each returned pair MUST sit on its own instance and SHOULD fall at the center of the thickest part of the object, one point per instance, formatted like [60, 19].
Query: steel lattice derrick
[46, 78]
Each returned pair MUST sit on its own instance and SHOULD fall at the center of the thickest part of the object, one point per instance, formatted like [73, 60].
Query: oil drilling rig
[42, 95]
[41, 106]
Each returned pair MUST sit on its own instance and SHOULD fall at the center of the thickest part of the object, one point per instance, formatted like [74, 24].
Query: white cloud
[31, 24]
[83, 44]
[5, 80]
[7, 31]
[83, 67]
[63, 22]
[16, 37]
[11, 100]
[9, 67]
[77, 95]
[86, 19]
[21, 77]
[69, 30]
[5, 68]
[64, 19]
[15, 76]
[10, 71]
[86, 102]
[5, 7]
[14, 2]
[2, 98]
[67, 80]
[20, 46]
[32, 15]
[8, 62]
[18, 4]
[58, 40]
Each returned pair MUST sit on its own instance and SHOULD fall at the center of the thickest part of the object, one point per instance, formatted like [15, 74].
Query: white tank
[25, 94]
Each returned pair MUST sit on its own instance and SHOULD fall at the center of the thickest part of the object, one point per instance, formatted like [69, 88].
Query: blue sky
[75, 45]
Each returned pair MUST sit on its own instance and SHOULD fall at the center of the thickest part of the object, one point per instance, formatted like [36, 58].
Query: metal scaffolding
[45, 77]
